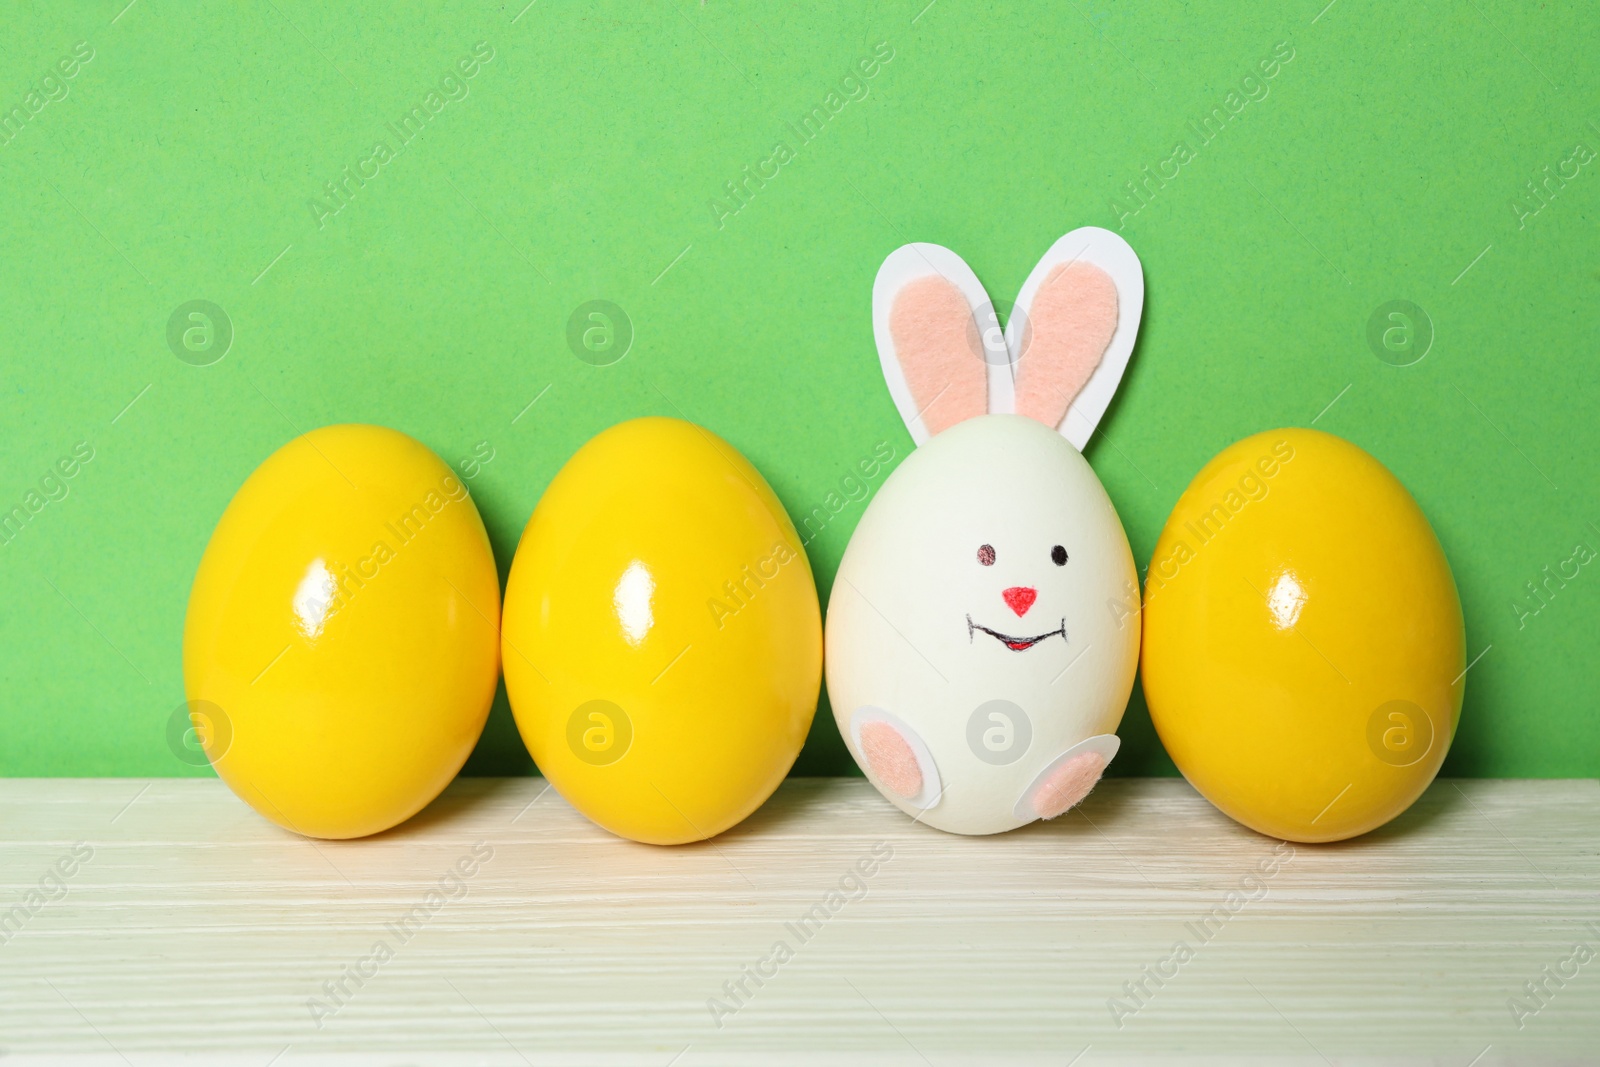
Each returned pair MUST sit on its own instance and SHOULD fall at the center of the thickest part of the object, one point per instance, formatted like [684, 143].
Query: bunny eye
[986, 555]
[1058, 555]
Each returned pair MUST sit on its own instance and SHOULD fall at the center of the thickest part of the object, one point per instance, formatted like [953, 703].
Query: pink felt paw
[893, 763]
[1068, 784]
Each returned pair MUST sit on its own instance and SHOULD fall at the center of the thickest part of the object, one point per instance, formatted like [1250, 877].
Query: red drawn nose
[1020, 598]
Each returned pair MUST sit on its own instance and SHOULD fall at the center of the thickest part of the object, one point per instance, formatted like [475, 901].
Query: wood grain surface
[144, 922]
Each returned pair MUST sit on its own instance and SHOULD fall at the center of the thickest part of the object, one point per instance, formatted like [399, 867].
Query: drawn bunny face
[982, 634]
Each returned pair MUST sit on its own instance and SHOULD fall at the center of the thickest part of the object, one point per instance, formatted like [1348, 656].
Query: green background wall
[1386, 160]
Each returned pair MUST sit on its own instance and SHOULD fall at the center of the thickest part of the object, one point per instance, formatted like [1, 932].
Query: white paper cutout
[1105, 744]
[932, 787]
[1087, 244]
[1104, 249]
[904, 265]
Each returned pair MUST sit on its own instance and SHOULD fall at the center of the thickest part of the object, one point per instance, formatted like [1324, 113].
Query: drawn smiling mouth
[1015, 644]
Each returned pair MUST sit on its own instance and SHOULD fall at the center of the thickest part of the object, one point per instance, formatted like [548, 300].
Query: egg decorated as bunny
[983, 631]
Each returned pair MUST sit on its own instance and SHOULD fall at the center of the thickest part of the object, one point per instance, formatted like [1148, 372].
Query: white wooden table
[197, 928]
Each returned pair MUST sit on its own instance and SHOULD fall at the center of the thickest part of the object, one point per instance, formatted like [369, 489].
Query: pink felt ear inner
[1068, 784]
[932, 327]
[1073, 316]
[892, 761]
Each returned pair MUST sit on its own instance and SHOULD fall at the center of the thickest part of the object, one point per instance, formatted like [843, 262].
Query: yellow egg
[1304, 653]
[662, 638]
[342, 642]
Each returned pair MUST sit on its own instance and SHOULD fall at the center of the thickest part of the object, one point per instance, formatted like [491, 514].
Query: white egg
[983, 632]
[996, 670]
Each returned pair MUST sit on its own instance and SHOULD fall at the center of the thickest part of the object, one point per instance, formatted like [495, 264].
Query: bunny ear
[939, 342]
[1073, 329]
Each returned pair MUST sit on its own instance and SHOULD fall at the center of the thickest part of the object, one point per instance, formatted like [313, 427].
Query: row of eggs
[662, 641]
